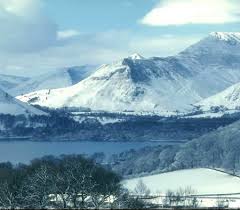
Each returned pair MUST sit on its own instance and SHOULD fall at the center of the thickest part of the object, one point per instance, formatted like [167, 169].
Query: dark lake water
[24, 151]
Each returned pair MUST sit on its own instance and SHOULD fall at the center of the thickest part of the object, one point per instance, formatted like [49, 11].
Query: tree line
[62, 124]
[217, 149]
[68, 181]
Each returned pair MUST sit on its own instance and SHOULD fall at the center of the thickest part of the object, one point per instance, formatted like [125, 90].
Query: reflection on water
[24, 151]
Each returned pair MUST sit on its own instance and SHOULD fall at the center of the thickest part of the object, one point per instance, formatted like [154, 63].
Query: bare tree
[61, 188]
[70, 181]
[37, 188]
[79, 179]
[221, 203]
[141, 189]
[106, 186]
[188, 192]
[7, 196]
[170, 198]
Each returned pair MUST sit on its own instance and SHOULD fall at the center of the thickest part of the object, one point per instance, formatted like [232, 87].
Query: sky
[38, 36]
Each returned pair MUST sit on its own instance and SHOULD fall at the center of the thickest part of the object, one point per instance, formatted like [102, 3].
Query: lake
[24, 151]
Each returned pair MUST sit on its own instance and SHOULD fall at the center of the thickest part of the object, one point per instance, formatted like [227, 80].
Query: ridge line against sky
[42, 35]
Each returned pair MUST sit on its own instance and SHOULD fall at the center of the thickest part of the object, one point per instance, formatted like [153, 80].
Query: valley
[61, 125]
[129, 104]
[164, 103]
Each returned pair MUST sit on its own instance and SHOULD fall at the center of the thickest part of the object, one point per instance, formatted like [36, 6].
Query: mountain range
[159, 84]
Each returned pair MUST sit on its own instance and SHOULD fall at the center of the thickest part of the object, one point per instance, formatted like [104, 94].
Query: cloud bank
[31, 44]
[180, 12]
[25, 27]
[96, 49]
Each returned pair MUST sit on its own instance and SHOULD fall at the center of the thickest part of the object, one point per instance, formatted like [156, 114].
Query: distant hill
[59, 78]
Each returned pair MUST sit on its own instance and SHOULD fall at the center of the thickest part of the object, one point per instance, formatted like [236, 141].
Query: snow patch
[226, 36]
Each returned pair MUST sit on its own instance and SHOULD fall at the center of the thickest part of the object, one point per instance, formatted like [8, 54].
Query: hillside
[201, 180]
[227, 99]
[199, 187]
[10, 105]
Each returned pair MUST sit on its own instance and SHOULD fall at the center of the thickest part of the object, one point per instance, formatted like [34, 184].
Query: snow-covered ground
[117, 116]
[102, 120]
[203, 181]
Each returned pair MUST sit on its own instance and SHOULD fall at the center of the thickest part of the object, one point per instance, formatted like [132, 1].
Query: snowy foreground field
[207, 186]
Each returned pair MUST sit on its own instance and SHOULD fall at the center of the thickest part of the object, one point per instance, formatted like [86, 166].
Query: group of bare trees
[183, 197]
[64, 182]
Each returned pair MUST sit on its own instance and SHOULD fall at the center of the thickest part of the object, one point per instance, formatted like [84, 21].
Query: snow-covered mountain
[10, 105]
[55, 79]
[8, 81]
[154, 84]
[229, 99]
[214, 62]
[133, 83]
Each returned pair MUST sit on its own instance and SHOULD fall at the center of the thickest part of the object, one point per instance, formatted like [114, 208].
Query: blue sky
[98, 15]
[38, 36]
[102, 15]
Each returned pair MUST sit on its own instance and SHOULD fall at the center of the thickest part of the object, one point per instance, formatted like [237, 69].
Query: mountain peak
[226, 36]
[136, 56]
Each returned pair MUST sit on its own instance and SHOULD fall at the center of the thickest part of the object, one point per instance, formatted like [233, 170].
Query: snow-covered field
[202, 181]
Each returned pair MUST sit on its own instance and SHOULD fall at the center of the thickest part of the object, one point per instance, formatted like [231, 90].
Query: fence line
[207, 196]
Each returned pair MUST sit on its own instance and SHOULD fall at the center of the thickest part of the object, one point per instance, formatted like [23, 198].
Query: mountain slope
[8, 81]
[154, 84]
[214, 61]
[57, 79]
[229, 98]
[10, 105]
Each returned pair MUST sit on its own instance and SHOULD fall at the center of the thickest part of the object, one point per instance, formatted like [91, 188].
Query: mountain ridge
[165, 84]
[10, 81]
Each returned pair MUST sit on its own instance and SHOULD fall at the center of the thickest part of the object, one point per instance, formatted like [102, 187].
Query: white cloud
[165, 45]
[24, 27]
[179, 12]
[66, 34]
[96, 48]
